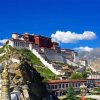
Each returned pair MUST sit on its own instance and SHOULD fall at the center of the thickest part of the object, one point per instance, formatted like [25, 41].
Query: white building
[59, 55]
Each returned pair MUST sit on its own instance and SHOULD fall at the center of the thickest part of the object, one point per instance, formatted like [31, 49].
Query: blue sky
[46, 17]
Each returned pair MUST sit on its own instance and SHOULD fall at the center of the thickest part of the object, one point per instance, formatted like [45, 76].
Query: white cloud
[71, 37]
[88, 49]
[3, 41]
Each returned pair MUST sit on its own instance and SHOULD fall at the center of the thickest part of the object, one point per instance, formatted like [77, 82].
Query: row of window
[63, 85]
[93, 81]
[60, 93]
[97, 80]
[16, 44]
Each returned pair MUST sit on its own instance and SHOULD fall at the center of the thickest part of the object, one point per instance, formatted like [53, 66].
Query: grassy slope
[30, 57]
[4, 57]
[45, 72]
[2, 49]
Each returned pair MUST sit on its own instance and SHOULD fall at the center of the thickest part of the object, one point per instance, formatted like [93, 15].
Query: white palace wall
[50, 54]
[53, 55]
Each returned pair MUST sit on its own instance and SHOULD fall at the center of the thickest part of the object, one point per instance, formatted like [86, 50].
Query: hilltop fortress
[46, 50]
[43, 45]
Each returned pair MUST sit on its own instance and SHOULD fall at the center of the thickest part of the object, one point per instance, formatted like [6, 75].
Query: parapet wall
[55, 56]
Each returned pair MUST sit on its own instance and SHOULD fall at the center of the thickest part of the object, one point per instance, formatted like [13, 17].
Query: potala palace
[47, 51]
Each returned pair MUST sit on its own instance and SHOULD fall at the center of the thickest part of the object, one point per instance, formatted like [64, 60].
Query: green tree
[84, 75]
[71, 94]
[79, 75]
[76, 75]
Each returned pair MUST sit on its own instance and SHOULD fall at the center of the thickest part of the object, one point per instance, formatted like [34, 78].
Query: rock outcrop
[25, 82]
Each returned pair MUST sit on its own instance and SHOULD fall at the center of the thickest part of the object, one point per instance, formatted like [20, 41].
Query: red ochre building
[39, 40]
[59, 87]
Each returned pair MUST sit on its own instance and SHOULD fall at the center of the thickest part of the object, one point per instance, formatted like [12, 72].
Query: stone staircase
[48, 65]
[54, 67]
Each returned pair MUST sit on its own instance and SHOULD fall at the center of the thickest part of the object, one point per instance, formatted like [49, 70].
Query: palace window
[62, 85]
[66, 85]
[48, 86]
[55, 86]
[52, 86]
[59, 85]
[14, 43]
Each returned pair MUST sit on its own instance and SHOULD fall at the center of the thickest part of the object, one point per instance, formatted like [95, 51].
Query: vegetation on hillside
[79, 75]
[46, 73]
[2, 49]
[36, 63]
[28, 56]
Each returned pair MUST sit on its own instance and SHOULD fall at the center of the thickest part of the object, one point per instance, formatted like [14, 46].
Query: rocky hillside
[93, 57]
[25, 72]
[26, 55]
[96, 65]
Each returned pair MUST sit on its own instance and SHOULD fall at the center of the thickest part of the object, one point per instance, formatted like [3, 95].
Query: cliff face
[23, 76]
